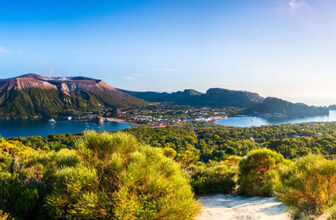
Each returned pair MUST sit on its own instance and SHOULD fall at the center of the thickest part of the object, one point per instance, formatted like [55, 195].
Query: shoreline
[120, 121]
[117, 120]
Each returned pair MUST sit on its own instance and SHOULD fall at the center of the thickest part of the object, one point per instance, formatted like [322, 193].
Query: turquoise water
[26, 128]
[251, 121]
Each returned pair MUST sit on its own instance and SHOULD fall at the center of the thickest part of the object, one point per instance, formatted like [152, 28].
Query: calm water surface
[26, 128]
[251, 121]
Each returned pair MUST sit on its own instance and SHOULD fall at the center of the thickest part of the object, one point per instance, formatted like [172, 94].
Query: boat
[52, 121]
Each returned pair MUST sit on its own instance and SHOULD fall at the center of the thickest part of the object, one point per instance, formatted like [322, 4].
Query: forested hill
[32, 95]
[251, 103]
[214, 97]
[284, 108]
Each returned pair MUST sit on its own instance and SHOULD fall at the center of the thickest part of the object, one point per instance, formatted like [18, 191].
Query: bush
[233, 160]
[215, 179]
[72, 191]
[308, 186]
[121, 179]
[257, 172]
[169, 152]
[107, 177]
[21, 186]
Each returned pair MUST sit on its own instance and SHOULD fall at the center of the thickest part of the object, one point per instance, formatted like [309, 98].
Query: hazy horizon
[278, 48]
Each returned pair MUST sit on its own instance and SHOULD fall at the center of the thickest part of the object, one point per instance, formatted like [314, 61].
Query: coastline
[120, 121]
[213, 122]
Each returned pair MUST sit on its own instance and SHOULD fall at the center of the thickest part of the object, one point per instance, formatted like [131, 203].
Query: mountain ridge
[214, 97]
[276, 106]
[32, 95]
[250, 103]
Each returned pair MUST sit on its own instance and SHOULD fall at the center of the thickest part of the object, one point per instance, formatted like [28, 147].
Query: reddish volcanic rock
[72, 86]
[66, 85]
[25, 81]
[34, 96]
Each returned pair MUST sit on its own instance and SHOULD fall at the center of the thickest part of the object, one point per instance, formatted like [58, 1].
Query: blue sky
[283, 48]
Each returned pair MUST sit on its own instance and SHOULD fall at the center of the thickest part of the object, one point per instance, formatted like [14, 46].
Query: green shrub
[169, 152]
[121, 179]
[233, 160]
[108, 177]
[215, 179]
[20, 186]
[66, 157]
[72, 191]
[308, 186]
[257, 172]
[187, 158]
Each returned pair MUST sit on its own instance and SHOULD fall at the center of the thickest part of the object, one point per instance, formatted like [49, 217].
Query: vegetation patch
[109, 176]
[308, 187]
[257, 172]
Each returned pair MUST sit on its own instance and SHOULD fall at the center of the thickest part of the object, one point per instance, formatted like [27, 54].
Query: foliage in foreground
[257, 172]
[203, 152]
[308, 186]
[215, 177]
[108, 177]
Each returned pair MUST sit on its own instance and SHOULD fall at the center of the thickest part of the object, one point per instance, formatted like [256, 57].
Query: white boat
[52, 121]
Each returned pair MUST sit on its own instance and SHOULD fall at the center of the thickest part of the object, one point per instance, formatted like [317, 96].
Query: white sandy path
[220, 207]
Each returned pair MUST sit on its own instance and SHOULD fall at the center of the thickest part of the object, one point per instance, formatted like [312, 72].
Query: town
[162, 115]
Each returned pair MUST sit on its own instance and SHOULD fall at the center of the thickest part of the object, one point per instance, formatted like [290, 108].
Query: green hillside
[36, 102]
[278, 106]
[214, 97]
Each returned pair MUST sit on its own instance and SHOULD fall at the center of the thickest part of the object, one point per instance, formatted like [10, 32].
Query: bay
[255, 121]
[26, 128]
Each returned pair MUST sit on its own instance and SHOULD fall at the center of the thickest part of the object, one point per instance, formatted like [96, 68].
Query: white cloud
[294, 4]
[129, 78]
[4, 50]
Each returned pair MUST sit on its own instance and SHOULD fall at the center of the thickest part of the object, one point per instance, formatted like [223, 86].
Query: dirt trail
[220, 207]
